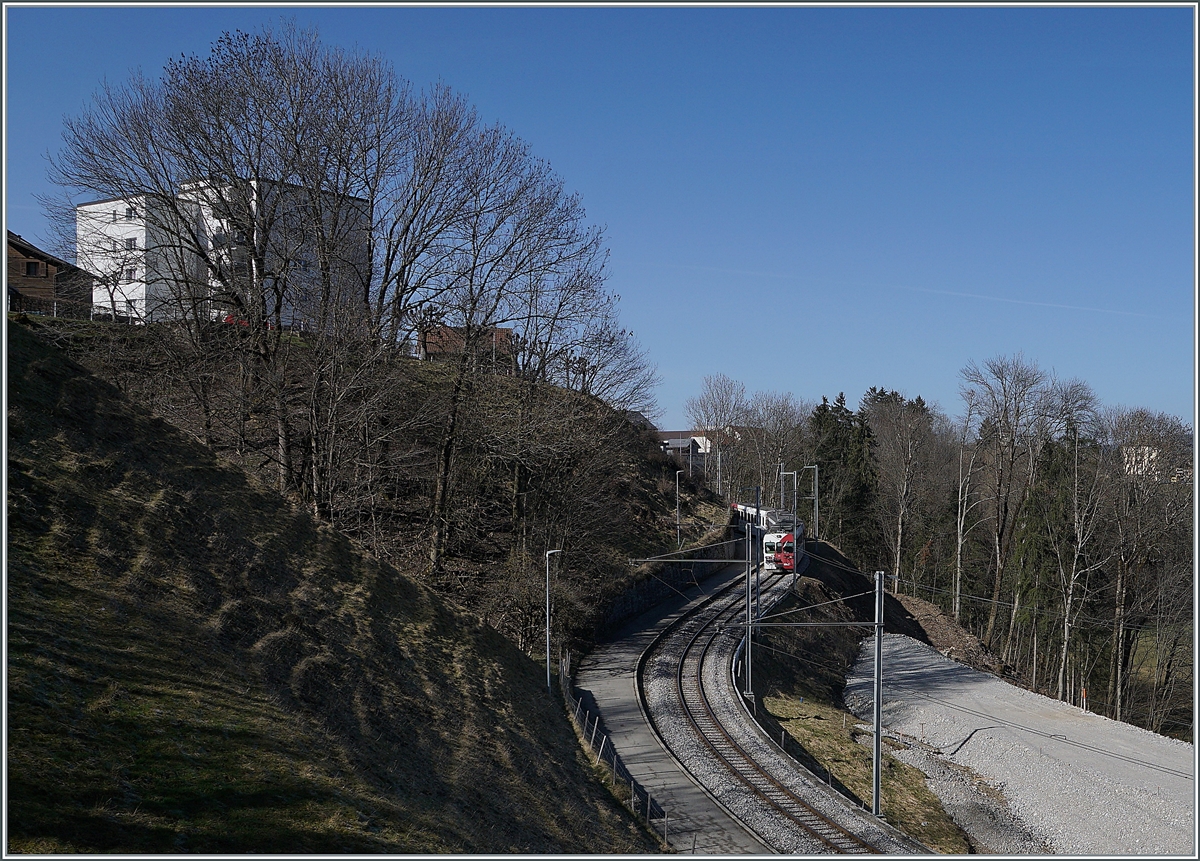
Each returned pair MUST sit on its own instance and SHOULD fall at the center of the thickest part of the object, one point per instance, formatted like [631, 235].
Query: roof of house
[28, 249]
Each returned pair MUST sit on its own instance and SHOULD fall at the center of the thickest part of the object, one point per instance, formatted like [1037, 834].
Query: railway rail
[690, 698]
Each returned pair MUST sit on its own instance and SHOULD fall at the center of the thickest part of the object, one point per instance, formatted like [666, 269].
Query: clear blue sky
[814, 200]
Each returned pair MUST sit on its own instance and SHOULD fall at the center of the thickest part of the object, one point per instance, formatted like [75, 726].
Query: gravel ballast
[781, 834]
[1073, 782]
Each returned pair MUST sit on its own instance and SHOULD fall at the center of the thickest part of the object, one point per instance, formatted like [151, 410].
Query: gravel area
[1025, 774]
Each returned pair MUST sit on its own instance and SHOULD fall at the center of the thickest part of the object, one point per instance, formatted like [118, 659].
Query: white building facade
[233, 251]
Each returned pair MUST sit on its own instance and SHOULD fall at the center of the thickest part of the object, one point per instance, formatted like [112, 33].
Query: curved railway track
[698, 648]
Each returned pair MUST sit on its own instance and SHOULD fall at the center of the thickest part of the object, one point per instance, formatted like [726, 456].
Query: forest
[1058, 530]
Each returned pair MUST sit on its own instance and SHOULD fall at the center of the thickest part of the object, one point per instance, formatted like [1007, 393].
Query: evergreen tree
[845, 455]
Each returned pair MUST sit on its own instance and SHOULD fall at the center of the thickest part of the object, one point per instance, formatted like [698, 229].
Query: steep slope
[194, 665]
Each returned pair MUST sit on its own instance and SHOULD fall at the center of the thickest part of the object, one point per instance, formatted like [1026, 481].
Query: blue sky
[814, 200]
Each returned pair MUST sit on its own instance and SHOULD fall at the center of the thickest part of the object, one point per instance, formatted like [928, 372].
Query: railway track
[696, 715]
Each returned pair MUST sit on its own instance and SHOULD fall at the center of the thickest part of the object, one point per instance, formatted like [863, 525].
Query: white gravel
[1075, 783]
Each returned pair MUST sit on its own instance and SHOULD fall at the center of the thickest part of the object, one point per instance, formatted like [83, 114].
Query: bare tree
[1012, 397]
[720, 406]
[1070, 505]
[520, 232]
[774, 426]
[967, 501]
[1151, 523]
[253, 169]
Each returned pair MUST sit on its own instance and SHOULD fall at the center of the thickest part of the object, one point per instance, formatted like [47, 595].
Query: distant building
[494, 346]
[159, 259]
[1140, 460]
[639, 420]
[125, 242]
[689, 448]
[42, 283]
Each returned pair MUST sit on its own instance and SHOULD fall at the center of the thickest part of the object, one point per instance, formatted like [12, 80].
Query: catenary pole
[756, 545]
[678, 540]
[878, 691]
[749, 692]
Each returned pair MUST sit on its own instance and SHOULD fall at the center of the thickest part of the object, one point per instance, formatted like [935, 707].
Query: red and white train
[778, 530]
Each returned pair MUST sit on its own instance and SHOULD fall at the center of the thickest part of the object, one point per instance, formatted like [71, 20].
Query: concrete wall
[664, 579]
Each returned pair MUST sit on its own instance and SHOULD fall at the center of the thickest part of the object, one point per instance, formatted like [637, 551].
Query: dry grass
[194, 665]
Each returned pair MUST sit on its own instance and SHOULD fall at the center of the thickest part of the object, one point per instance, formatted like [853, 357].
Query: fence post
[603, 740]
[592, 737]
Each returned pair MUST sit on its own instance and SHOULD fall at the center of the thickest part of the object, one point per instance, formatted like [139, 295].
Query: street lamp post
[678, 539]
[549, 689]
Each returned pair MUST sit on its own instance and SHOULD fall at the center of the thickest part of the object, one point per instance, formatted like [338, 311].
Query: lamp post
[678, 539]
[549, 689]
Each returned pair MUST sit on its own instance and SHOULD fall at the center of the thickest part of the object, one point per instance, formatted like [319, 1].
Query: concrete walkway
[608, 676]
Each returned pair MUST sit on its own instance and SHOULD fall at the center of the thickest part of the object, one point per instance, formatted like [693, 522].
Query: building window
[130, 244]
[129, 213]
[131, 307]
[130, 274]
[114, 215]
[33, 269]
[115, 245]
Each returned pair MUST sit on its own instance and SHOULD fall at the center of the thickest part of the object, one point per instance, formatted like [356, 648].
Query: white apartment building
[124, 244]
[158, 260]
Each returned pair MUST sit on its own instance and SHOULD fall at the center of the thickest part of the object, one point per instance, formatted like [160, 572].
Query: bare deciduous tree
[1012, 395]
[720, 406]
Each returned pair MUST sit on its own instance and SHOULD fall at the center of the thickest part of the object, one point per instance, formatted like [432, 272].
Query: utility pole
[751, 527]
[678, 540]
[549, 689]
[795, 474]
[816, 502]
[878, 691]
[816, 493]
[758, 567]
[749, 692]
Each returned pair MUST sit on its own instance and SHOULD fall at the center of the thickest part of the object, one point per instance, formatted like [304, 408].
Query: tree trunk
[441, 496]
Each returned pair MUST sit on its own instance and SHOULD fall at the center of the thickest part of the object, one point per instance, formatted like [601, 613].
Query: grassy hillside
[196, 665]
[535, 466]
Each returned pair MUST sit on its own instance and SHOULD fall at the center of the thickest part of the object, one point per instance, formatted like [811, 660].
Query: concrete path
[608, 676]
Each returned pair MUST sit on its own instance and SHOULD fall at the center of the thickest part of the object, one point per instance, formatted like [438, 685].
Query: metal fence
[598, 741]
